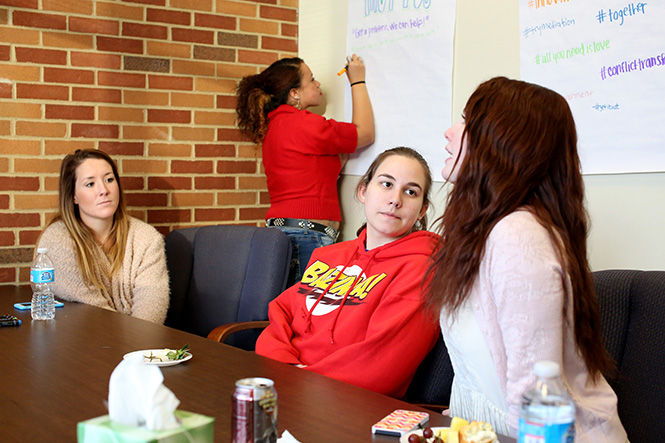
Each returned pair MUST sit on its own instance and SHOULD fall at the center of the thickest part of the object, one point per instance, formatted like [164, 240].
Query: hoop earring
[298, 104]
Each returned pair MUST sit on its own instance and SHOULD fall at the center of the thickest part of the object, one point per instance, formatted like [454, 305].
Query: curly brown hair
[521, 151]
[261, 93]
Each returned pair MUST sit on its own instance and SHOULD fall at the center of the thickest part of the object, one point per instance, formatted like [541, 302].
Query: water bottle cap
[42, 250]
[546, 369]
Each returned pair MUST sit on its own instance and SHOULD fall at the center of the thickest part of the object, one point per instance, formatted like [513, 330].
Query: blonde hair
[88, 253]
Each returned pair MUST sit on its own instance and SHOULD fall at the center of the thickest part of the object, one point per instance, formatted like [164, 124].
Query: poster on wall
[407, 46]
[608, 60]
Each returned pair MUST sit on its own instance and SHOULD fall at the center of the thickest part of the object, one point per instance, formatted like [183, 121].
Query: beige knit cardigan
[140, 288]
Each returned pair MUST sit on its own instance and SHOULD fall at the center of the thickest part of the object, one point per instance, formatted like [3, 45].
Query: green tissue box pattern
[195, 428]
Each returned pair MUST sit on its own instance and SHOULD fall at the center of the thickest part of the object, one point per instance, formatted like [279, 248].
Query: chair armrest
[221, 332]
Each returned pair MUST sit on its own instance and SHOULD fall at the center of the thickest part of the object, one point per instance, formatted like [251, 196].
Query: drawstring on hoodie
[311, 310]
[346, 296]
[332, 328]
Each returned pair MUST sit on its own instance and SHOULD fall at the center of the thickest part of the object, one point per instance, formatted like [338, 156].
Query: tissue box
[195, 428]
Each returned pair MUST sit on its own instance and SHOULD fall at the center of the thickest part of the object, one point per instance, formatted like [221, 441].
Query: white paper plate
[157, 355]
[405, 438]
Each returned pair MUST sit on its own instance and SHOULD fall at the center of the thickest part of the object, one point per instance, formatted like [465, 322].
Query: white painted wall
[627, 210]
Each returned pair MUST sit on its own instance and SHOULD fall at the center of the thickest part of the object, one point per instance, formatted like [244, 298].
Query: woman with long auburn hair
[303, 153]
[510, 277]
[101, 255]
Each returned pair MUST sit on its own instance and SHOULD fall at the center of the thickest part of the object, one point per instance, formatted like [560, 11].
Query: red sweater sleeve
[399, 336]
[275, 340]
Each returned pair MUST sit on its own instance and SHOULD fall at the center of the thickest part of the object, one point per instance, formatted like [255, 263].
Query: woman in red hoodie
[357, 313]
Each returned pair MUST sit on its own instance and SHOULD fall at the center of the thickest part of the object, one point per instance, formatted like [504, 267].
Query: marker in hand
[343, 70]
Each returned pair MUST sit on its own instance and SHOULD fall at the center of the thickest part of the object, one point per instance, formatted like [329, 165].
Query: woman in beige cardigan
[101, 255]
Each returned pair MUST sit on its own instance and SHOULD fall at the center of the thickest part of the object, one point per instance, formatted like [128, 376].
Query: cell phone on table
[26, 305]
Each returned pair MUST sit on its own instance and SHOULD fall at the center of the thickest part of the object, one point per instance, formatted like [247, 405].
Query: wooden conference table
[56, 373]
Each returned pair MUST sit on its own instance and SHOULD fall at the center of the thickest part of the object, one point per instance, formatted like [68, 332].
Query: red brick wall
[149, 81]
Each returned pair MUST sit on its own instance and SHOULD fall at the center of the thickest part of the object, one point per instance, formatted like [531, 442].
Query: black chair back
[225, 274]
[632, 308]
[433, 380]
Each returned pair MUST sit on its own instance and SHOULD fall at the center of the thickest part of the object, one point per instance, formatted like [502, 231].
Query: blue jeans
[303, 243]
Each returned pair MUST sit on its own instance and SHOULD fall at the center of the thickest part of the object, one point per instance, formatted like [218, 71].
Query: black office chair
[632, 307]
[432, 383]
[225, 274]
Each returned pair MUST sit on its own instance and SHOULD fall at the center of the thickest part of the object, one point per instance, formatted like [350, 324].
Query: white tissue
[287, 438]
[137, 396]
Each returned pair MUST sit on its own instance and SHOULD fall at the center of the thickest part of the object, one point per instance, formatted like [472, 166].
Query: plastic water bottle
[42, 278]
[547, 413]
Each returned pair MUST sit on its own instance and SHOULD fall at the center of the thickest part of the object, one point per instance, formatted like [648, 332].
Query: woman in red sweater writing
[357, 315]
[302, 151]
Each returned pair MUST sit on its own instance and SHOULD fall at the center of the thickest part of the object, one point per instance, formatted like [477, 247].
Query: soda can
[254, 411]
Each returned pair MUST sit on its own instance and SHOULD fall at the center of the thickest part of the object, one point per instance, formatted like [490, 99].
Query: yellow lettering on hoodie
[320, 275]
[362, 289]
[314, 271]
[324, 281]
[342, 285]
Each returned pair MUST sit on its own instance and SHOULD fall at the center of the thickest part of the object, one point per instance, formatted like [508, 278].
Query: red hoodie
[356, 315]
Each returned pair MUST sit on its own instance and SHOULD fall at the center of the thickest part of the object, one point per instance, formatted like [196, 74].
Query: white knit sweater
[517, 300]
[140, 288]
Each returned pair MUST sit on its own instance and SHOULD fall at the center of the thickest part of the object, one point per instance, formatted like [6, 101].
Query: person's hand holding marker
[362, 115]
[355, 70]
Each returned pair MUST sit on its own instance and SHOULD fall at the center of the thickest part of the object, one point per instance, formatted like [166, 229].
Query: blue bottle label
[41, 275]
[532, 432]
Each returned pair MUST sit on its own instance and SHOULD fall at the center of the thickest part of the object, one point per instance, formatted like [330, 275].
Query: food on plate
[179, 354]
[477, 432]
[427, 437]
[458, 423]
[448, 435]
[460, 431]
[451, 435]
[167, 354]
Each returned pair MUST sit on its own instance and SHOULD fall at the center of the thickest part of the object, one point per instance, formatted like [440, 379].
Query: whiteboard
[608, 60]
[407, 46]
